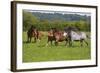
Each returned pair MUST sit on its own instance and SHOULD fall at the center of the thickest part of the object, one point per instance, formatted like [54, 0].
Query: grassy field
[37, 52]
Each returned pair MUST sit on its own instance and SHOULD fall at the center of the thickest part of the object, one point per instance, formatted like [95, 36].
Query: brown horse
[33, 32]
[56, 36]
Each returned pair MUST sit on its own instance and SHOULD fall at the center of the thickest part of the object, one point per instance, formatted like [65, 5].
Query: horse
[56, 36]
[77, 36]
[33, 32]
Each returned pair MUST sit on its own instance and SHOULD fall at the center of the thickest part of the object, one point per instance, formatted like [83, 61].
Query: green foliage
[28, 20]
[45, 24]
[83, 25]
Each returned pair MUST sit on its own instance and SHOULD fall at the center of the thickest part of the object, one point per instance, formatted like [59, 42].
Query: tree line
[45, 24]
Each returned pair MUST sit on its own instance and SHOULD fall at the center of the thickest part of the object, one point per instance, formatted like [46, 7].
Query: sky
[61, 12]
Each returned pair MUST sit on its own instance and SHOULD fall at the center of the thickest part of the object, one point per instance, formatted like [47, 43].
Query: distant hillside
[44, 21]
[59, 16]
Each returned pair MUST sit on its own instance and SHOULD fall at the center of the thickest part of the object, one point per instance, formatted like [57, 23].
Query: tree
[28, 20]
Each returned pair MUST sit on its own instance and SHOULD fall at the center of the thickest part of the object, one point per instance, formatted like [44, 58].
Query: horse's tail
[88, 36]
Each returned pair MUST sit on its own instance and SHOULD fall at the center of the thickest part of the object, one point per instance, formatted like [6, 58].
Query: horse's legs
[81, 42]
[39, 39]
[56, 43]
[70, 42]
[30, 39]
[27, 39]
[86, 42]
[34, 39]
[51, 42]
[66, 42]
[48, 41]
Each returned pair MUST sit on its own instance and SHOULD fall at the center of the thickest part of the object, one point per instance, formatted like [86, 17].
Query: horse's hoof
[46, 45]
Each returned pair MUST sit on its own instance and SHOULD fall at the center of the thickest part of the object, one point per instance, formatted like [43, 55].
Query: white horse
[77, 36]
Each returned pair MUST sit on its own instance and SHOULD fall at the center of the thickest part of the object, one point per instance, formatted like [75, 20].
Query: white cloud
[61, 12]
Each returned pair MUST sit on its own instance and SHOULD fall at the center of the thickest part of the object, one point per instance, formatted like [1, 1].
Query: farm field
[38, 52]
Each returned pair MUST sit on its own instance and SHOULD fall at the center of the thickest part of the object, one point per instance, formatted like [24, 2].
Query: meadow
[38, 52]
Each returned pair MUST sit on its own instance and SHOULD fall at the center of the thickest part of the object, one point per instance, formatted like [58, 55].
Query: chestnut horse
[56, 36]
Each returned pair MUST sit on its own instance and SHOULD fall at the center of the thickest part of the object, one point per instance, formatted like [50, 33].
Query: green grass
[37, 52]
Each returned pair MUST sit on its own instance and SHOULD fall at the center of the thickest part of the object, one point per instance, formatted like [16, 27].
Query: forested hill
[44, 21]
[59, 16]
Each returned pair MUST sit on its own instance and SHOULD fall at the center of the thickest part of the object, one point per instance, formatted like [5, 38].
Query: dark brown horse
[56, 36]
[33, 32]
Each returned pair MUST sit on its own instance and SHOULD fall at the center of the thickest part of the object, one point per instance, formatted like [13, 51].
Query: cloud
[60, 12]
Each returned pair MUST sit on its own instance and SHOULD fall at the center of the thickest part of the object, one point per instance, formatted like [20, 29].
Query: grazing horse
[33, 32]
[56, 36]
[77, 36]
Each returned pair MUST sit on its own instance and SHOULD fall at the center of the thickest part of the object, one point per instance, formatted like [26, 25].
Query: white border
[34, 65]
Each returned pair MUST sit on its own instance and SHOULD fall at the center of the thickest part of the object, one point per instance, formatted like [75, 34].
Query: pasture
[37, 52]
